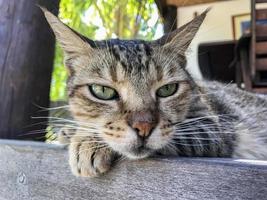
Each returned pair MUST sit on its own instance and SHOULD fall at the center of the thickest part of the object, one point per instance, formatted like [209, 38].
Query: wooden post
[26, 60]
[169, 15]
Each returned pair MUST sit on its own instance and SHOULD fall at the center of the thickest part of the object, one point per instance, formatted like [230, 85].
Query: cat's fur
[200, 119]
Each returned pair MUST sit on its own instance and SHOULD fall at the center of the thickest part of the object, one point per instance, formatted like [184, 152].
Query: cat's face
[131, 93]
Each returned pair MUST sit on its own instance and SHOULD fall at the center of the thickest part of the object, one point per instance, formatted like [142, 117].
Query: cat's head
[129, 92]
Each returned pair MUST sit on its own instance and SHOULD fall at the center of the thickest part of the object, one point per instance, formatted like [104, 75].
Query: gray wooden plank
[37, 171]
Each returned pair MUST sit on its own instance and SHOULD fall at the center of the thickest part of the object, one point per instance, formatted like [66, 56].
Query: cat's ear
[182, 37]
[70, 41]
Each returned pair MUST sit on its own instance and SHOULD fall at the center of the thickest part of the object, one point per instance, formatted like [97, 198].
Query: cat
[134, 98]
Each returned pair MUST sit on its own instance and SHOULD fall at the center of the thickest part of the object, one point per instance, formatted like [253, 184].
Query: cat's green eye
[103, 92]
[167, 90]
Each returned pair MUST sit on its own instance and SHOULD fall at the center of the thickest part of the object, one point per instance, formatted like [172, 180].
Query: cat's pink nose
[143, 122]
[143, 129]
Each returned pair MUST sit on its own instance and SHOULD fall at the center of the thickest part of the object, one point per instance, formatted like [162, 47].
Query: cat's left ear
[182, 37]
[71, 42]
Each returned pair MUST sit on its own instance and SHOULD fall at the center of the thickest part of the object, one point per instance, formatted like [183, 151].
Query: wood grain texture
[26, 61]
[37, 171]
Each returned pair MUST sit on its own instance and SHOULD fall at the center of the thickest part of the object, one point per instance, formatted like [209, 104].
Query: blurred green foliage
[100, 19]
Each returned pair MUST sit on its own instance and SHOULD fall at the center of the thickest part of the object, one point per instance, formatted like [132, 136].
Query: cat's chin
[138, 154]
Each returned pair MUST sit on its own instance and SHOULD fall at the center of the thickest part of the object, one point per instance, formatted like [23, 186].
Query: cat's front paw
[88, 160]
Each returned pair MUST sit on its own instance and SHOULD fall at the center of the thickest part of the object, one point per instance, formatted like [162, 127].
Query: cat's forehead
[133, 61]
[127, 44]
[126, 49]
[133, 55]
[131, 47]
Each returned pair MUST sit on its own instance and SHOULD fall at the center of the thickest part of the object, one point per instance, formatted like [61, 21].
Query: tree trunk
[26, 60]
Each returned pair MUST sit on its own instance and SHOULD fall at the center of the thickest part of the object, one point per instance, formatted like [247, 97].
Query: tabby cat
[134, 98]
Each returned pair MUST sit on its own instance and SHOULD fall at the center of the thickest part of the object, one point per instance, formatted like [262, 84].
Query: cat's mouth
[138, 152]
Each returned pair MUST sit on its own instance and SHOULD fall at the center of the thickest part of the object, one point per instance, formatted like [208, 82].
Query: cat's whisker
[196, 122]
[74, 134]
[190, 131]
[37, 123]
[198, 127]
[32, 133]
[205, 127]
[51, 108]
[122, 158]
[201, 118]
[87, 137]
[201, 129]
[199, 133]
[65, 120]
[191, 145]
[199, 138]
[87, 142]
[77, 127]
[171, 147]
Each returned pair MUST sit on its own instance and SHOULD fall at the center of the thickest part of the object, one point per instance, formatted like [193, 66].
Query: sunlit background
[104, 19]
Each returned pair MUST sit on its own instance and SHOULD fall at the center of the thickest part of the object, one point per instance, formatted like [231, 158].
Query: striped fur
[200, 119]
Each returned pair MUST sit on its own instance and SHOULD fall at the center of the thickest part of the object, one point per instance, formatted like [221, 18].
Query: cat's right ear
[179, 40]
[69, 40]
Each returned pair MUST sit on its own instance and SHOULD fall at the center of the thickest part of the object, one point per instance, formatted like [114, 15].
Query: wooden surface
[261, 48]
[26, 61]
[31, 170]
[261, 14]
[261, 64]
[257, 68]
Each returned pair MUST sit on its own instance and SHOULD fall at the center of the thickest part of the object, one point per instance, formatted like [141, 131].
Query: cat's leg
[88, 158]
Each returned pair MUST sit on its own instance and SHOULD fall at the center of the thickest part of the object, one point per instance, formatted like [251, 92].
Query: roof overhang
[181, 3]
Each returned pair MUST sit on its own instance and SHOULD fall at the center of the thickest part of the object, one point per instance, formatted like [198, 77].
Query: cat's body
[243, 119]
[135, 98]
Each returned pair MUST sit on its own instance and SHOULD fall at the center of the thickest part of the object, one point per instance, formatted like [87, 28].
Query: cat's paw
[64, 135]
[87, 160]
